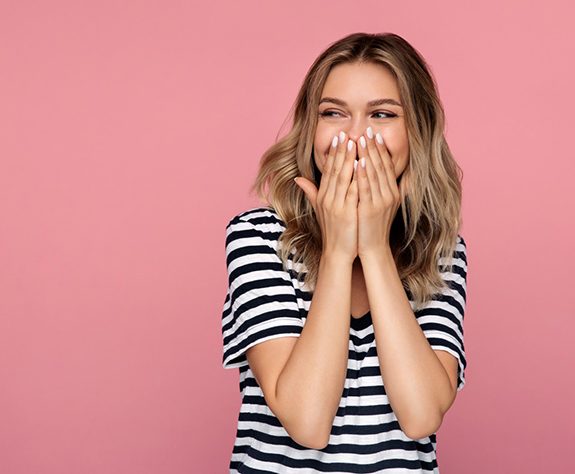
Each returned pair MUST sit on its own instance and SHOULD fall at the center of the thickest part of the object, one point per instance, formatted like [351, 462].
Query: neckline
[361, 322]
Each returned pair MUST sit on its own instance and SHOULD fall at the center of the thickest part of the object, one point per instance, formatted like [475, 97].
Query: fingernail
[334, 142]
[295, 179]
[379, 138]
[369, 132]
[362, 141]
[341, 137]
[355, 164]
[363, 162]
[349, 144]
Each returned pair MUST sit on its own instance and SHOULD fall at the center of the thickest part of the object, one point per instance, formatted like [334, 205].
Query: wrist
[336, 259]
[383, 254]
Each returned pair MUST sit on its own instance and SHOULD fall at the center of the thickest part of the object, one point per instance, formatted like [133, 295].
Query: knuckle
[342, 179]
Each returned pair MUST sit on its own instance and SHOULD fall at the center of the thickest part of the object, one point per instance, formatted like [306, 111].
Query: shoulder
[263, 220]
[253, 238]
[456, 263]
[254, 228]
[461, 248]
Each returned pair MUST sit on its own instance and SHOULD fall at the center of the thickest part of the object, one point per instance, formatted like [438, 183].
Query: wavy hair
[427, 227]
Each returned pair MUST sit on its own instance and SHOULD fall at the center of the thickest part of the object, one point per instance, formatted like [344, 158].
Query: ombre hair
[427, 227]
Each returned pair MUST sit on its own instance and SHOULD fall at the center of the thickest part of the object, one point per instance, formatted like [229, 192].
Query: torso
[359, 300]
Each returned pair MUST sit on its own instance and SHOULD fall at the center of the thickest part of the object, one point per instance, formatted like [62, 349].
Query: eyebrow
[371, 103]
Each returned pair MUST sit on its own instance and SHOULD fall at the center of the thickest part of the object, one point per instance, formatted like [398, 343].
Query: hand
[379, 197]
[335, 204]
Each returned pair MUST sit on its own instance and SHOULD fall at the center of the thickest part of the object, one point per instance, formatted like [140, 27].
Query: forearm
[313, 378]
[416, 383]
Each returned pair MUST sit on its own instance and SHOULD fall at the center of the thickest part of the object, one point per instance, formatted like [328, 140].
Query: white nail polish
[363, 162]
[379, 138]
[341, 137]
[362, 141]
[349, 145]
[369, 132]
[334, 142]
[355, 164]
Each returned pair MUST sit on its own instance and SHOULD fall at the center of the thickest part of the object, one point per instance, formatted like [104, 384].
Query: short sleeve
[441, 319]
[261, 301]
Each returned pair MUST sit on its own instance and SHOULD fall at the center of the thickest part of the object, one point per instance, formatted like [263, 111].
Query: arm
[310, 385]
[418, 387]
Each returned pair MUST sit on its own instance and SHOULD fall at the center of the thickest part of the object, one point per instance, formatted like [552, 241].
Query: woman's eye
[389, 114]
[330, 113]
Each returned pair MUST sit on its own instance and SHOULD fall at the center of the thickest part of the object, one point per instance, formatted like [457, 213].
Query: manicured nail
[334, 142]
[349, 144]
[379, 138]
[355, 164]
[369, 132]
[363, 162]
[362, 141]
[341, 137]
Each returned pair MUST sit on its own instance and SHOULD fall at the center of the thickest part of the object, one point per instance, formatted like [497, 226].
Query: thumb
[308, 188]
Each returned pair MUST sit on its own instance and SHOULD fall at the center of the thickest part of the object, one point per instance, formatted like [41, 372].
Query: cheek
[319, 154]
[396, 143]
[323, 137]
[323, 144]
[321, 149]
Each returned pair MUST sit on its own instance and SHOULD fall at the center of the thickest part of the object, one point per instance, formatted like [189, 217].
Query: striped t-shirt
[265, 302]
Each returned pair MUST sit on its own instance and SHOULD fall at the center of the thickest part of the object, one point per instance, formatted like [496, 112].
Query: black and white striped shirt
[265, 302]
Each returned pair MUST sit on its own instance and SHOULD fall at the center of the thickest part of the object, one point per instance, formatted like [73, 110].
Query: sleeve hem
[295, 330]
[460, 371]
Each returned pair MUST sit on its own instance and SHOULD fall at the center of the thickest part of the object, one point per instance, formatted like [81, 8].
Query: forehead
[359, 83]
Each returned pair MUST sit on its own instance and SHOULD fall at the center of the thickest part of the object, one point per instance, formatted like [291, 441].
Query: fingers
[387, 164]
[327, 169]
[367, 180]
[309, 189]
[345, 175]
[352, 195]
[379, 168]
[336, 166]
[378, 164]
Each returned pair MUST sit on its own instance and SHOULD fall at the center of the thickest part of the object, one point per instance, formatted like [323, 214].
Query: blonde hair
[427, 227]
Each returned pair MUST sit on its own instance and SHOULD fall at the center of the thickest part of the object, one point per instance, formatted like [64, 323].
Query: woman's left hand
[379, 197]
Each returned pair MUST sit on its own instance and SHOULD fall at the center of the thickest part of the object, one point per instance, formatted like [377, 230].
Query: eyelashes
[329, 114]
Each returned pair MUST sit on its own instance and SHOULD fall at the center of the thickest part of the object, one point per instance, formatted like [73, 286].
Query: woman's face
[344, 105]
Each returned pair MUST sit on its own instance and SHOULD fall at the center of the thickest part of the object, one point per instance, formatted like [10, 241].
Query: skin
[421, 382]
[357, 84]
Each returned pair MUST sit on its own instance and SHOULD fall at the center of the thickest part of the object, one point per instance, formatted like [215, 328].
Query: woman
[344, 315]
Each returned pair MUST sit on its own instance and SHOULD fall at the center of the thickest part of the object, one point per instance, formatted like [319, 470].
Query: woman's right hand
[335, 203]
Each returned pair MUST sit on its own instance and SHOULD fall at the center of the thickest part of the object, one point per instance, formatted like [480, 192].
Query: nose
[357, 128]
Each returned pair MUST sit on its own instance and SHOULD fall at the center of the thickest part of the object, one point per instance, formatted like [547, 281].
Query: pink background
[129, 135]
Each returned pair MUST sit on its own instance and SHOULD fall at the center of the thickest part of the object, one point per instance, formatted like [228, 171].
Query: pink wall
[129, 135]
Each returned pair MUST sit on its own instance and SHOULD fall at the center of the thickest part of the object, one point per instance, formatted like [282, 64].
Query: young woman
[344, 314]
